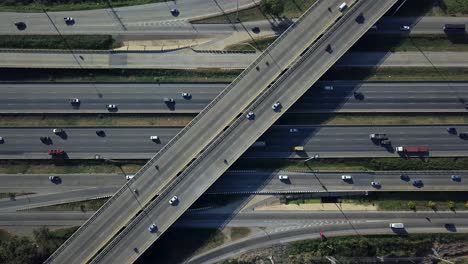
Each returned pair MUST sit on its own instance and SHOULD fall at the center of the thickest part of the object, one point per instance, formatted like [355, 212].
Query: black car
[451, 130]
[417, 183]
[101, 133]
[404, 177]
[463, 135]
[46, 140]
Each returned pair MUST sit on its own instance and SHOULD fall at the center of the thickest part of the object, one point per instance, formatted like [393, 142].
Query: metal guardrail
[177, 137]
[218, 140]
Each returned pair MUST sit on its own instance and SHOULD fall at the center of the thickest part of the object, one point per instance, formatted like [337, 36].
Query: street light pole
[237, 10]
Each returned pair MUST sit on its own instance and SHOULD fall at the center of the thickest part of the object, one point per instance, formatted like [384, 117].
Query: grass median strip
[425, 201]
[70, 166]
[117, 75]
[67, 5]
[292, 9]
[373, 119]
[368, 164]
[83, 206]
[80, 42]
[15, 120]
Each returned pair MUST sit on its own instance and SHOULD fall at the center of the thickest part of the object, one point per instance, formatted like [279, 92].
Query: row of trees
[433, 205]
[23, 250]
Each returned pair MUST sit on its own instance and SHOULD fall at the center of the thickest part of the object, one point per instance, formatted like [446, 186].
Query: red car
[55, 152]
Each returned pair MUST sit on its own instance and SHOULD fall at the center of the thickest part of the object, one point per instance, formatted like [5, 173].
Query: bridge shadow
[180, 243]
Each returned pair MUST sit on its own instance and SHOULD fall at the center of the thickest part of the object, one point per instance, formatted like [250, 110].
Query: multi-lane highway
[327, 141]
[188, 59]
[251, 182]
[332, 224]
[117, 20]
[78, 187]
[237, 137]
[148, 97]
[170, 162]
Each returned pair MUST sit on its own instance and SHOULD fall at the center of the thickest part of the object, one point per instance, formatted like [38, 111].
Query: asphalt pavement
[239, 135]
[79, 187]
[189, 59]
[327, 141]
[171, 161]
[116, 20]
[346, 97]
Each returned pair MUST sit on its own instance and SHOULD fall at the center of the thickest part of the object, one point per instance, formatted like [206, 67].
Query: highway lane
[168, 162]
[250, 182]
[236, 138]
[148, 97]
[117, 20]
[29, 201]
[79, 187]
[343, 224]
[189, 59]
[327, 141]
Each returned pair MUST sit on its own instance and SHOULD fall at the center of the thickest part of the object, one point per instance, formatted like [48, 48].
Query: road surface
[194, 138]
[334, 224]
[117, 20]
[148, 97]
[188, 59]
[327, 141]
[236, 138]
[79, 187]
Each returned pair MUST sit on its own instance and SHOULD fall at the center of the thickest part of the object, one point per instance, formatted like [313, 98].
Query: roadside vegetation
[177, 244]
[370, 246]
[353, 164]
[432, 8]
[267, 10]
[117, 75]
[17, 120]
[372, 119]
[82, 206]
[35, 249]
[70, 166]
[414, 201]
[66, 5]
[79, 42]
[382, 42]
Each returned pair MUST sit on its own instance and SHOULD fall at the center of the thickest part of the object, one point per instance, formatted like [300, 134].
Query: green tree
[432, 205]
[451, 205]
[466, 204]
[456, 6]
[19, 251]
[272, 7]
[411, 205]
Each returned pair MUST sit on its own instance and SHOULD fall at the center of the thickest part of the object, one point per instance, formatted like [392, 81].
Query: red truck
[55, 152]
[412, 149]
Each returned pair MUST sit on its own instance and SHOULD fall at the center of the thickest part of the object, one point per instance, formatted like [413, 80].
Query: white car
[405, 28]
[1, 140]
[173, 200]
[397, 225]
[53, 178]
[328, 88]
[375, 184]
[276, 106]
[250, 115]
[152, 228]
[129, 176]
[293, 130]
[111, 106]
[283, 177]
[186, 95]
[74, 101]
[154, 138]
[346, 177]
[57, 130]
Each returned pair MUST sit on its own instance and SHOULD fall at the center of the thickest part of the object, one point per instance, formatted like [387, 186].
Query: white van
[342, 7]
[129, 176]
[397, 225]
